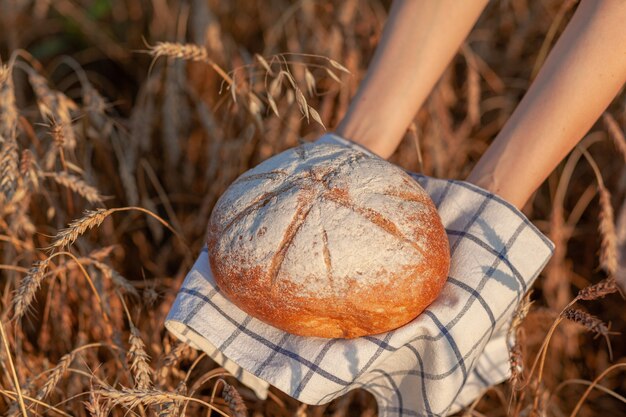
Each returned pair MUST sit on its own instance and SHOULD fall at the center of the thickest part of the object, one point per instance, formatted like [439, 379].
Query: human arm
[419, 41]
[583, 73]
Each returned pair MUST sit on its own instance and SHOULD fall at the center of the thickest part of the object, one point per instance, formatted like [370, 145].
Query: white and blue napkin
[433, 365]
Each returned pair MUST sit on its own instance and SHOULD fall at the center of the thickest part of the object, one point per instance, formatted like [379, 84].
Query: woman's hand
[581, 76]
[419, 41]
[583, 73]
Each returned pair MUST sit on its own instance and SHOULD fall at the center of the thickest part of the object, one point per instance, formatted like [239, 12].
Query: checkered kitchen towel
[432, 366]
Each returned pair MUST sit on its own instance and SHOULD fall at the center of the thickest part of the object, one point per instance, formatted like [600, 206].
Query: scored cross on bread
[324, 240]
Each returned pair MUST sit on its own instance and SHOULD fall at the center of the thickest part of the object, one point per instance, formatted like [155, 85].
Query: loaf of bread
[324, 240]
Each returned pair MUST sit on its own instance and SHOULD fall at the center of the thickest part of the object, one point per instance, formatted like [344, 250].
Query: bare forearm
[419, 40]
[582, 74]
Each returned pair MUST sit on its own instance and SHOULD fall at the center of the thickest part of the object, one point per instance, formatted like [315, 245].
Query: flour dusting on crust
[324, 222]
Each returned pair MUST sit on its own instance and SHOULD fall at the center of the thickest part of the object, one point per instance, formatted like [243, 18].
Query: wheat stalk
[124, 284]
[189, 52]
[192, 52]
[16, 381]
[331, 61]
[125, 155]
[473, 91]
[167, 362]
[134, 397]
[99, 254]
[13, 395]
[594, 384]
[14, 409]
[540, 358]
[93, 103]
[172, 409]
[173, 356]
[63, 366]
[173, 113]
[143, 115]
[32, 281]
[55, 106]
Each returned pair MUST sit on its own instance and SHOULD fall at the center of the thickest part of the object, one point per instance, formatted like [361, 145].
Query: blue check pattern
[432, 366]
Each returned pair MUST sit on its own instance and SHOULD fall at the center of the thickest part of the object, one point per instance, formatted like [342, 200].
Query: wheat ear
[78, 227]
[189, 52]
[134, 397]
[75, 184]
[592, 323]
[94, 407]
[9, 171]
[615, 133]
[28, 287]
[62, 366]
[32, 281]
[8, 110]
[606, 227]
[93, 219]
[601, 289]
[55, 375]
[233, 400]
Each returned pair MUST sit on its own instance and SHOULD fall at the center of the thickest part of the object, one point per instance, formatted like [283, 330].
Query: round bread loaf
[324, 240]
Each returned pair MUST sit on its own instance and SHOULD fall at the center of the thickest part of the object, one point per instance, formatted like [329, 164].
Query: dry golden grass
[143, 144]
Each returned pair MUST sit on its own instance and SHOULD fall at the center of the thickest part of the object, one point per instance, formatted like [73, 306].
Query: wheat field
[122, 122]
